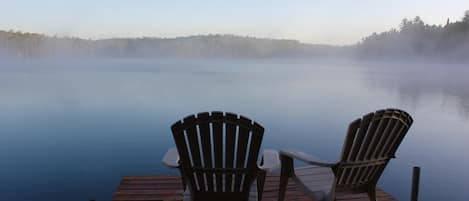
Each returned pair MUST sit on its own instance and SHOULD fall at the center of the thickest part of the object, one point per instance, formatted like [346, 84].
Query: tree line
[413, 40]
[417, 40]
[30, 45]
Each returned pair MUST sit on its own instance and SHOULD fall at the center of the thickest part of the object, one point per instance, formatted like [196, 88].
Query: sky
[335, 22]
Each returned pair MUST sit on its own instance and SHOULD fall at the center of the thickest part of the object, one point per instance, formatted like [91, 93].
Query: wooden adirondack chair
[370, 143]
[217, 155]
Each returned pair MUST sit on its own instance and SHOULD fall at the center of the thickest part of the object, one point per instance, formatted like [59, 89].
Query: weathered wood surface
[169, 188]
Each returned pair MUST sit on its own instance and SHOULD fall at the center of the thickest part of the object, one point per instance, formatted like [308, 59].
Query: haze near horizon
[319, 22]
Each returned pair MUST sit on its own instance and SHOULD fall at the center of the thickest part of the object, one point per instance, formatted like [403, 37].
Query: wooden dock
[169, 188]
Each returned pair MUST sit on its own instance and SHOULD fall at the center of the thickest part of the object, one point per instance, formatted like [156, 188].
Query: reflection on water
[71, 130]
[439, 97]
[416, 82]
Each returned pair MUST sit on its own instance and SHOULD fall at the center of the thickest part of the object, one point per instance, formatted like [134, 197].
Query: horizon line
[63, 36]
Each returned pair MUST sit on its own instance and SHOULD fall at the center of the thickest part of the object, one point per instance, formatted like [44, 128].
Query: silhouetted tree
[417, 40]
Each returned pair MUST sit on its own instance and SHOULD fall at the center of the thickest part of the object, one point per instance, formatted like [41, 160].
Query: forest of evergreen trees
[29, 45]
[414, 40]
[417, 40]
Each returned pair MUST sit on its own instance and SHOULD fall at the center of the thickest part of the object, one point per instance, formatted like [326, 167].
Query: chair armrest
[309, 159]
[271, 160]
[171, 158]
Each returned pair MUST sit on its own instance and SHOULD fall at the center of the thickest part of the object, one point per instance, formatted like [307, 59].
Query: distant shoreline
[413, 41]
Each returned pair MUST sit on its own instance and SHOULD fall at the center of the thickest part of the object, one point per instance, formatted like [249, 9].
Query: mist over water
[71, 129]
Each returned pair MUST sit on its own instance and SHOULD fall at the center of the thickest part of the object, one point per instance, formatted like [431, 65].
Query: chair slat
[384, 135]
[344, 175]
[243, 139]
[353, 174]
[389, 136]
[356, 177]
[398, 130]
[194, 147]
[192, 137]
[364, 175]
[398, 142]
[352, 131]
[339, 174]
[390, 133]
[347, 175]
[369, 174]
[217, 133]
[395, 144]
[254, 149]
[375, 173]
[375, 137]
[230, 140]
[369, 134]
[181, 144]
[364, 126]
[205, 135]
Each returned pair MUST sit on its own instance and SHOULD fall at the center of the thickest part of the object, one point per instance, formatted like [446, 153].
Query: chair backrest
[218, 154]
[370, 143]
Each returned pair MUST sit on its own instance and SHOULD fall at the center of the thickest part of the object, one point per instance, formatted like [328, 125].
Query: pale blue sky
[313, 21]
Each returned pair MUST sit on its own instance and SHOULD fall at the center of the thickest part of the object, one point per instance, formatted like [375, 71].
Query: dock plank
[169, 188]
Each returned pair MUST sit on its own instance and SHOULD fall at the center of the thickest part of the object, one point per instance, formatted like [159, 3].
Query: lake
[69, 130]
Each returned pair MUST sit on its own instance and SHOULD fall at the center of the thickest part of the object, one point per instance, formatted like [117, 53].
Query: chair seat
[316, 181]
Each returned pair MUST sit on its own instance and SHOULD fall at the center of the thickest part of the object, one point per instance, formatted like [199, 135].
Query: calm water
[71, 130]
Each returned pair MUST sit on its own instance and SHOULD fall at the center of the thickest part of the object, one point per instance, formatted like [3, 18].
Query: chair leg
[184, 182]
[285, 174]
[372, 194]
[260, 184]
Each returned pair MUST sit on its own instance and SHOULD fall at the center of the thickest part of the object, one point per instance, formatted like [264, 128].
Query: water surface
[71, 130]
